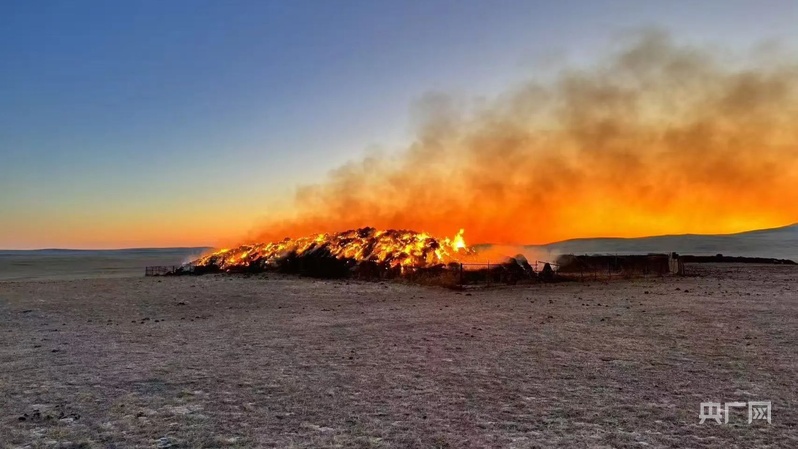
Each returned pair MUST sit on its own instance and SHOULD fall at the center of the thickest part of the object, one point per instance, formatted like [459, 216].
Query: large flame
[391, 248]
[654, 139]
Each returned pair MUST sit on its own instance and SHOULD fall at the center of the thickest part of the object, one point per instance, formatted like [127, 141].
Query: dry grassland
[202, 362]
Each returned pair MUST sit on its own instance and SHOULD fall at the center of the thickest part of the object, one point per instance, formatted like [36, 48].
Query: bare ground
[287, 362]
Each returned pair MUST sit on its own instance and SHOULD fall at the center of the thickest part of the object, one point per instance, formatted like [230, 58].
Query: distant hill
[781, 243]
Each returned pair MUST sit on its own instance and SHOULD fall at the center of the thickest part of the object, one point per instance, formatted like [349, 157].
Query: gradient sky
[183, 123]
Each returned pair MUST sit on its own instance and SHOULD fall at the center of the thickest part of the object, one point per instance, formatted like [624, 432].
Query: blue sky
[122, 116]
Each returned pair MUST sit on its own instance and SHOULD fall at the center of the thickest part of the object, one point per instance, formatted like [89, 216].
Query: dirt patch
[269, 361]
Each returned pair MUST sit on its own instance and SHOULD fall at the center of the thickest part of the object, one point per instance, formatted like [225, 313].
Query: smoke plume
[654, 138]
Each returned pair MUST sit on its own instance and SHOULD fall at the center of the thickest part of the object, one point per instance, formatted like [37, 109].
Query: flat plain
[271, 361]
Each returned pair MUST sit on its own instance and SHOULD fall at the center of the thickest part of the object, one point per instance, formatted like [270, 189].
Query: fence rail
[160, 270]
[508, 272]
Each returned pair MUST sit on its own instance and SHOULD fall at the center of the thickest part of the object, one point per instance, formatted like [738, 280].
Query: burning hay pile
[365, 252]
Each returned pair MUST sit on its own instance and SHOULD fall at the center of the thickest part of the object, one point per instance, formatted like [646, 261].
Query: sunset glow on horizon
[267, 120]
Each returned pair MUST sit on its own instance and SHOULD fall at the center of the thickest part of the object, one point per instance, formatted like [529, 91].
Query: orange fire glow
[654, 139]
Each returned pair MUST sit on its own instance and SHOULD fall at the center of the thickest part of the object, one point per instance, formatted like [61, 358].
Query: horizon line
[476, 244]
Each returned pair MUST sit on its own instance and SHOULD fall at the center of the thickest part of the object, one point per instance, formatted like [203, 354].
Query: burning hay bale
[364, 252]
[510, 271]
[516, 269]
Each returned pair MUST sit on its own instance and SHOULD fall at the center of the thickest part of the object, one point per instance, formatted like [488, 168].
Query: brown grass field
[269, 361]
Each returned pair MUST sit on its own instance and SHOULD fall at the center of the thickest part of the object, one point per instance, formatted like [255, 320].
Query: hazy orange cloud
[653, 139]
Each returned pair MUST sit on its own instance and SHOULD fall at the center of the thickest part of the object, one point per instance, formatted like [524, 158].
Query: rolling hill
[781, 243]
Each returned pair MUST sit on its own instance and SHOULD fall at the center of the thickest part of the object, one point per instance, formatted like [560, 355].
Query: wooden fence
[160, 270]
